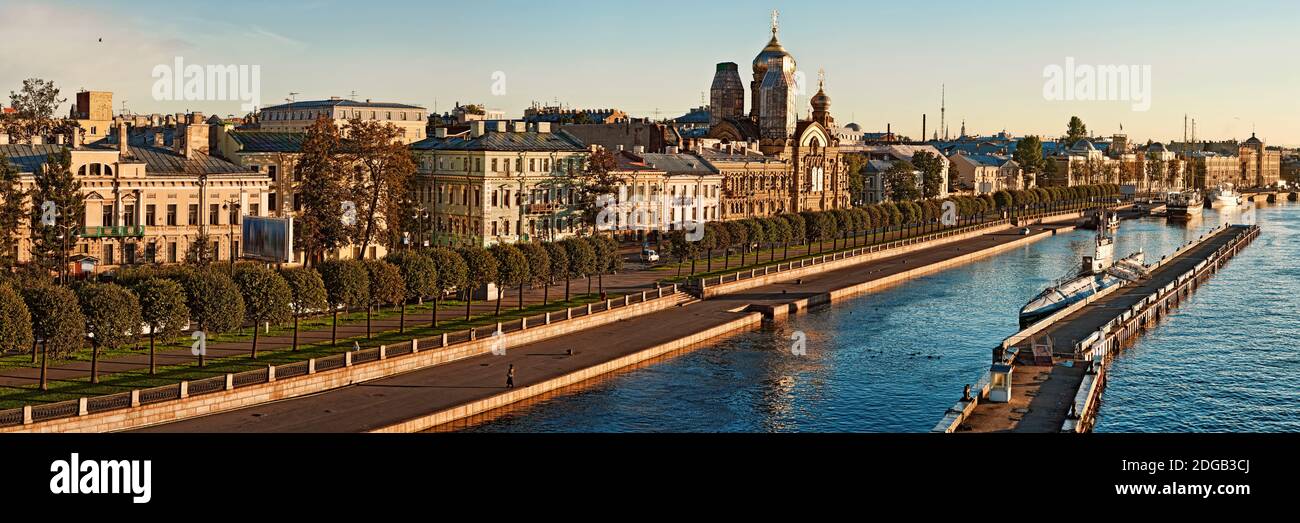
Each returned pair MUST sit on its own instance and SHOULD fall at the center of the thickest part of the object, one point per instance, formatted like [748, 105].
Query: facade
[628, 135]
[299, 116]
[151, 195]
[880, 157]
[502, 182]
[560, 115]
[800, 169]
[985, 174]
[93, 111]
[662, 192]
[1260, 166]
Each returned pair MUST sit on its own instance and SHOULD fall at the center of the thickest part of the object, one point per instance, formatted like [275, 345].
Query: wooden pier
[1057, 367]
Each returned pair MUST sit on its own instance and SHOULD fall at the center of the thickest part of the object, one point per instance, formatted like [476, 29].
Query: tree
[932, 168]
[384, 167]
[1050, 171]
[900, 182]
[12, 199]
[15, 322]
[306, 294]
[582, 261]
[777, 230]
[419, 275]
[716, 236]
[739, 235]
[452, 274]
[162, 309]
[797, 232]
[596, 181]
[320, 223]
[539, 267]
[386, 286]
[1029, 154]
[512, 271]
[682, 249]
[1075, 131]
[558, 267]
[57, 321]
[856, 164]
[57, 211]
[482, 270]
[37, 100]
[214, 300]
[757, 235]
[267, 297]
[112, 316]
[347, 285]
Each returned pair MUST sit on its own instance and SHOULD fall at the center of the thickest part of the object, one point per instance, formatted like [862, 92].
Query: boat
[1097, 273]
[1184, 205]
[1102, 220]
[1224, 196]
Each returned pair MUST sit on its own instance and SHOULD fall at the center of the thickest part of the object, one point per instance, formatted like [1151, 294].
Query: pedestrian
[510, 377]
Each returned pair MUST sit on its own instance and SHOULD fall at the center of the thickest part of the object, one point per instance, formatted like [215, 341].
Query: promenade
[389, 401]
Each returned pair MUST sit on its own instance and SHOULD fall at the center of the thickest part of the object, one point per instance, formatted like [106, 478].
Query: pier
[1057, 367]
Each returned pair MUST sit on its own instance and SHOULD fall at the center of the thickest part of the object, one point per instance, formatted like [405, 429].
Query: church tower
[821, 104]
[727, 95]
[761, 62]
[777, 115]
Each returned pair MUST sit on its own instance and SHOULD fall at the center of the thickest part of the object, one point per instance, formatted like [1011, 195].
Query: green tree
[557, 267]
[57, 195]
[347, 285]
[595, 184]
[856, 165]
[214, 301]
[419, 275]
[607, 258]
[539, 267]
[582, 261]
[1075, 131]
[452, 275]
[900, 182]
[798, 232]
[482, 270]
[15, 322]
[1029, 155]
[683, 249]
[112, 316]
[932, 168]
[162, 309]
[307, 294]
[757, 234]
[267, 297]
[320, 224]
[37, 100]
[57, 321]
[512, 271]
[386, 287]
[739, 235]
[12, 200]
[777, 230]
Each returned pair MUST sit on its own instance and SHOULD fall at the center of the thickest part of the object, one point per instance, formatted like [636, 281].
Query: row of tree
[866, 223]
[160, 301]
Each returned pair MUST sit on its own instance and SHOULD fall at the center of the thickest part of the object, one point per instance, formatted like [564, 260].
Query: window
[108, 254]
[272, 171]
[253, 209]
[129, 253]
[171, 214]
[106, 217]
[151, 253]
[214, 214]
[233, 215]
[149, 215]
[171, 252]
[532, 165]
[494, 165]
[194, 214]
[271, 203]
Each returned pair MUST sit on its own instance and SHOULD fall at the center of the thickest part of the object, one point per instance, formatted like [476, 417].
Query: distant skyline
[884, 62]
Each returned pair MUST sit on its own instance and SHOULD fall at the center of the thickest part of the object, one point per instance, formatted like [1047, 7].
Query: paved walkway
[391, 400]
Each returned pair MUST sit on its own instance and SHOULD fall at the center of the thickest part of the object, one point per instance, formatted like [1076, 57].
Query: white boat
[1184, 205]
[1224, 196]
[1097, 273]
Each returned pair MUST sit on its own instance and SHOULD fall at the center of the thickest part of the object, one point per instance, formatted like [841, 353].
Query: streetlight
[420, 216]
[232, 205]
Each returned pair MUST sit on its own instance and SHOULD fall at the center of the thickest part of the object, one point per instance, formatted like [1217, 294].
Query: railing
[120, 231]
[117, 401]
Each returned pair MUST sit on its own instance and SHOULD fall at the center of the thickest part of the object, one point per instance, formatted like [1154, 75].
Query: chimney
[158, 140]
[543, 127]
[59, 139]
[122, 149]
[440, 132]
[672, 149]
[4, 138]
[620, 147]
[520, 127]
[37, 139]
[501, 126]
[638, 149]
[476, 128]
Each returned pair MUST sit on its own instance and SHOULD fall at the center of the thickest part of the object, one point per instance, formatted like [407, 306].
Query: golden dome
[773, 50]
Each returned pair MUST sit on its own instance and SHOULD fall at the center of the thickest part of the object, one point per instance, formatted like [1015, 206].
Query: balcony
[543, 208]
[123, 231]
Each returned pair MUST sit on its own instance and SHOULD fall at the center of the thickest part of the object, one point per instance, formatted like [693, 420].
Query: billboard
[268, 239]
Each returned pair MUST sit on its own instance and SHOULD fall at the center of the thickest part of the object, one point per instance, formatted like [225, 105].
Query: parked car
[649, 255]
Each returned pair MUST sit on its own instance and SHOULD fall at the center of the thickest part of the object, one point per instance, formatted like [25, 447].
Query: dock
[1057, 367]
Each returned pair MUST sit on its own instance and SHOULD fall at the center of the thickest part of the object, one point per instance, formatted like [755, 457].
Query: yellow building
[298, 116]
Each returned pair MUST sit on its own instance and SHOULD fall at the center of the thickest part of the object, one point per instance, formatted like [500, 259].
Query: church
[791, 165]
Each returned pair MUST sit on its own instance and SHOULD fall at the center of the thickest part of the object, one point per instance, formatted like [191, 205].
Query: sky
[1226, 65]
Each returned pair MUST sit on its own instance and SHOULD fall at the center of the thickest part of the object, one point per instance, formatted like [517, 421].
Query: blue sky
[1227, 65]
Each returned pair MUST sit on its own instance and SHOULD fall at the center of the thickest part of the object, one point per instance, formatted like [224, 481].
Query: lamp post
[232, 208]
[420, 217]
[65, 232]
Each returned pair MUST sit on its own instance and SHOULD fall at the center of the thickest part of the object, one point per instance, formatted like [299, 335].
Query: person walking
[510, 377]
